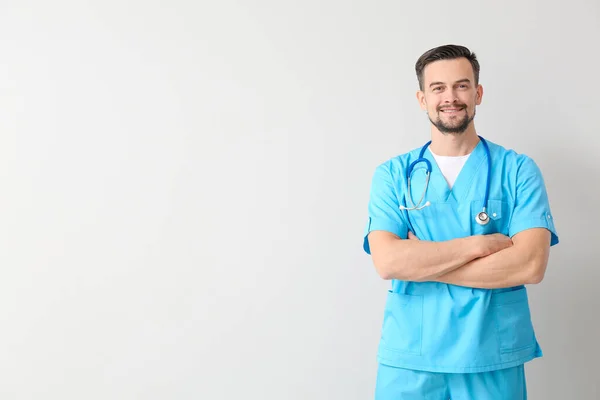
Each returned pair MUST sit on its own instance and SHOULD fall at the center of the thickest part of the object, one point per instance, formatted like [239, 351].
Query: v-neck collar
[464, 180]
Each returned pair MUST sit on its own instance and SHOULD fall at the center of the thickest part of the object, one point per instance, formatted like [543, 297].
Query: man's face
[449, 94]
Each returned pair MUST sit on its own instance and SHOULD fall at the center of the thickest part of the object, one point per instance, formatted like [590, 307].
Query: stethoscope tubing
[482, 218]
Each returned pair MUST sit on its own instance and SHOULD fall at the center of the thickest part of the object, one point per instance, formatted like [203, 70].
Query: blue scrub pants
[405, 384]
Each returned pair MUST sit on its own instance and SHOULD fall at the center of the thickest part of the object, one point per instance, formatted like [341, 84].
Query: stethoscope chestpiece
[482, 218]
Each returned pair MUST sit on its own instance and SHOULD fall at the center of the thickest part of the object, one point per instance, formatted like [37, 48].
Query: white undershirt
[450, 166]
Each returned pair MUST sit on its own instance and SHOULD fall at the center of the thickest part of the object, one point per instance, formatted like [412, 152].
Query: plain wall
[184, 188]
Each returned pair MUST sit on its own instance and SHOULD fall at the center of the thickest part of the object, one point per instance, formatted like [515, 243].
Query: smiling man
[457, 322]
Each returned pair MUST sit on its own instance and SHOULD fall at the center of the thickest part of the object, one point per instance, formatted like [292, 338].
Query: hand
[490, 244]
[412, 236]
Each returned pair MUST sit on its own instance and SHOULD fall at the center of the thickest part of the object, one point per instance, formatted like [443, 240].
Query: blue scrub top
[439, 327]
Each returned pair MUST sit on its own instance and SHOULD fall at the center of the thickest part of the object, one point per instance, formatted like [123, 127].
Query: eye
[437, 89]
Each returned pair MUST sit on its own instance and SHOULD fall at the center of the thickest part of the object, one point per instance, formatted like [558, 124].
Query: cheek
[432, 106]
[431, 103]
[471, 101]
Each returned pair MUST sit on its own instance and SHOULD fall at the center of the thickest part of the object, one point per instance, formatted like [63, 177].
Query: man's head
[449, 87]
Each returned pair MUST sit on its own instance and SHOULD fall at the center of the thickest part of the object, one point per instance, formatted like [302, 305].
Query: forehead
[448, 71]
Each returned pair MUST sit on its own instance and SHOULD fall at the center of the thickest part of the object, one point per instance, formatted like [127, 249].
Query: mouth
[451, 111]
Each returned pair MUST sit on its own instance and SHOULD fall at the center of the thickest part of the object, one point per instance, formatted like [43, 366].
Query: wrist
[474, 246]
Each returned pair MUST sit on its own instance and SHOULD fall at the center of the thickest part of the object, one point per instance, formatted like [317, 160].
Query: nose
[450, 96]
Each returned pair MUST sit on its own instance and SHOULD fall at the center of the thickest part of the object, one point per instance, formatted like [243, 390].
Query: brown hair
[446, 52]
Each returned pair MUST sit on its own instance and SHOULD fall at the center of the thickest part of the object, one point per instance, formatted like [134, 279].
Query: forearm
[506, 268]
[413, 260]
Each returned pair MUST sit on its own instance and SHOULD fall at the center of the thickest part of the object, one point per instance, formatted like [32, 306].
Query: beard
[456, 126]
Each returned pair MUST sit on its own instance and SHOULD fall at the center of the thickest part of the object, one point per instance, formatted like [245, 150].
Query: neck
[453, 145]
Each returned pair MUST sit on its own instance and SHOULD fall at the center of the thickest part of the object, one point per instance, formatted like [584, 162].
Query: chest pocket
[499, 213]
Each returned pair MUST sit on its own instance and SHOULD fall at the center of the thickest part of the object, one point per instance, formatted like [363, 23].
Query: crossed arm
[484, 261]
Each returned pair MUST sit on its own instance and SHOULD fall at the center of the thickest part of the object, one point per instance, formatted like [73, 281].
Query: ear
[479, 95]
[421, 100]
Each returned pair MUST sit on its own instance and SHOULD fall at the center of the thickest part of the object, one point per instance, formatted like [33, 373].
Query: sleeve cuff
[383, 224]
[547, 223]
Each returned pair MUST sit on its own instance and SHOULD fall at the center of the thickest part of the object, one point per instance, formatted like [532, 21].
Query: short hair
[446, 52]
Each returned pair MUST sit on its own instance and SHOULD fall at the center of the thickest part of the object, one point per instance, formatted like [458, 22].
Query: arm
[386, 232]
[532, 231]
[523, 263]
[418, 261]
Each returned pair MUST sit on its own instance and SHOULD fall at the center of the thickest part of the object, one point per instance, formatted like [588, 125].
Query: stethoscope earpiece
[427, 204]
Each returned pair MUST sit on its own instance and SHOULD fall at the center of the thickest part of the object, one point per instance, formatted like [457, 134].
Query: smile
[451, 110]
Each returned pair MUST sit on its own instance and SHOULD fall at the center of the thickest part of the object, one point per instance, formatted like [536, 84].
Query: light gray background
[183, 188]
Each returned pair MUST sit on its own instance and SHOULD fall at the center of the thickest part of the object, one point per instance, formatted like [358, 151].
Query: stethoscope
[481, 218]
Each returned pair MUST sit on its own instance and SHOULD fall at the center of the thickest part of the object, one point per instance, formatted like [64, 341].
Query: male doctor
[459, 234]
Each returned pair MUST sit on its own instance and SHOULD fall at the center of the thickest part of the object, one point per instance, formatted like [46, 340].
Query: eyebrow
[442, 83]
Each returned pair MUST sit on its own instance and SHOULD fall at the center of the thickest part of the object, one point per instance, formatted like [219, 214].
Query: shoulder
[513, 161]
[510, 156]
[399, 163]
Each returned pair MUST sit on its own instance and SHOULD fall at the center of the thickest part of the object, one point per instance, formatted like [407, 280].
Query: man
[457, 323]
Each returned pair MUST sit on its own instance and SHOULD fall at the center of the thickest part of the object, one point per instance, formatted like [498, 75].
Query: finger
[412, 236]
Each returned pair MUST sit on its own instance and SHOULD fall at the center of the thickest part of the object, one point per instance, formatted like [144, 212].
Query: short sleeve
[532, 208]
[384, 212]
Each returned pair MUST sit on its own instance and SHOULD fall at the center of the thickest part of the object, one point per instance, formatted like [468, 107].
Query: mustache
[452, 106]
